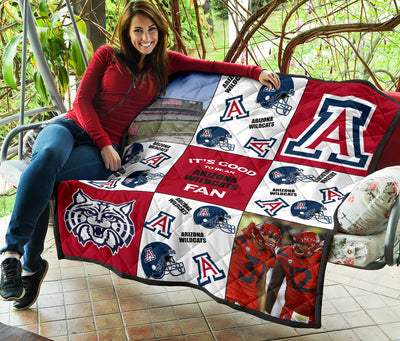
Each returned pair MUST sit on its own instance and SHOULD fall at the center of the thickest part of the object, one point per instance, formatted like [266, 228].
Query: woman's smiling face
[143, 33]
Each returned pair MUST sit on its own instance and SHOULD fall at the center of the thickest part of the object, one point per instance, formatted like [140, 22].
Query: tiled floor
[83, 301]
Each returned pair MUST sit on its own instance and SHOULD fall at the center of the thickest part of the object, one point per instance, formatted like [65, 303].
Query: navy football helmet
[215, 137]
[157, 260]
[140, 177]
[309, 209]
[277, 98]
[288, 175]
[213, 217]
[133, 153]
[306, 243]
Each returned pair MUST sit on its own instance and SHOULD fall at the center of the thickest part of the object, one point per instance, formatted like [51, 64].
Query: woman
[83, 145]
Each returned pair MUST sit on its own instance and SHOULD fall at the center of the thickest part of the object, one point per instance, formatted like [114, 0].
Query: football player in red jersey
[253, 254]
[300, 263]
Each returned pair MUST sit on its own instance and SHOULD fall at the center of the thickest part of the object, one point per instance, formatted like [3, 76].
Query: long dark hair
[127, 53]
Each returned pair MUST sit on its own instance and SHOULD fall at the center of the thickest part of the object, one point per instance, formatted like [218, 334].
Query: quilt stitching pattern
[248, 196]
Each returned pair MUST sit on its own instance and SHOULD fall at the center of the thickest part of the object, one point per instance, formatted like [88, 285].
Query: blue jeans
[62, 151]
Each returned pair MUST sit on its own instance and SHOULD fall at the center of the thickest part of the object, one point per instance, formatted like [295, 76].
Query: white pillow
[355, 250]
[367, 208]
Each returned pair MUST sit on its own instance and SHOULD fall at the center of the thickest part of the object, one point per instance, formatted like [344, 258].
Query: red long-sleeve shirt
[106, 82]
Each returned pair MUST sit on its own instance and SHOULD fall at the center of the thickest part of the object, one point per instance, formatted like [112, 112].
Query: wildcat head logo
[105, 224]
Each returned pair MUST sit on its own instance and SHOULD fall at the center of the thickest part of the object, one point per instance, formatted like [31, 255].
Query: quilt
[232, 188]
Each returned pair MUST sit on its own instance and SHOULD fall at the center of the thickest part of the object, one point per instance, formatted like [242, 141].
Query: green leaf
[56, 19]
[40, 87]
[76, 57]
[44, 9]
[51, 6]
[12, 12]
[42, 23]
[7, 59]
[81, 25]
[63, 79]
[43, 36]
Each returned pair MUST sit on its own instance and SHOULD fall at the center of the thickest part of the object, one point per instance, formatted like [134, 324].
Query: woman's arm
[179, 62]
[86, 115]
[85, 112]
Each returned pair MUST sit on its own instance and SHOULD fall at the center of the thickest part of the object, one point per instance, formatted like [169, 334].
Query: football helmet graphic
[289, 175]
[133, 154]
[306, 243]
[140, 177]
[215, 137]
[268, 235]
[277, 99]
[157, 260]
[309, 209]
[213, 217]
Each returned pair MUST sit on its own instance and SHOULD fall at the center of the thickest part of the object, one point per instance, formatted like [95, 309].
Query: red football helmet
[306, 243]
[267, 235]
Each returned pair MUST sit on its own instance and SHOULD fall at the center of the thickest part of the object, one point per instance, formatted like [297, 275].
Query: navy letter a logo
[208, 270]
[337, 134]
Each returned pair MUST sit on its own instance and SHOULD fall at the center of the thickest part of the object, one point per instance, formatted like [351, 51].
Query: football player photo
[253, 255]
[295, 277]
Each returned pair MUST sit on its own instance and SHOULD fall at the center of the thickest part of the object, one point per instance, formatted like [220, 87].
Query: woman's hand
[111, 159]
[270, 79]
